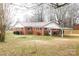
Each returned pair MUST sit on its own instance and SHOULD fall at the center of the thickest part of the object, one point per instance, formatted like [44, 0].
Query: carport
[53, 28]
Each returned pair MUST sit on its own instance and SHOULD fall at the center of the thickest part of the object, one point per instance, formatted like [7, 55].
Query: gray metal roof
[39, 24]
[42, 24]
[34, 24]
[53, 26]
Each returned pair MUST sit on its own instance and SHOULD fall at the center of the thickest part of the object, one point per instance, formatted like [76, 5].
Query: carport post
[50, 32]
[62, 34]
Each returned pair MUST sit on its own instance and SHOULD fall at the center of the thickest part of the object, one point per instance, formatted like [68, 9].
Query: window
[29, 28]
[40, 28]
[45, 28]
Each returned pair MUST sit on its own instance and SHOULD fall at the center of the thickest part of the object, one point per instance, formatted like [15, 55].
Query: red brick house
[76, 24]
[37, 28]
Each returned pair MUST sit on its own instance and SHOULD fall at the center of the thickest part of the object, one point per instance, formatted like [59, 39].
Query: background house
[36, 28]
[76, 24]
[38, 19]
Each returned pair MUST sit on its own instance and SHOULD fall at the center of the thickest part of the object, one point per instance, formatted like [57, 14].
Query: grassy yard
[33, 45]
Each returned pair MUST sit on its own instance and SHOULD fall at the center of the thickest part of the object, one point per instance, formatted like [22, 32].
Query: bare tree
[60, 13]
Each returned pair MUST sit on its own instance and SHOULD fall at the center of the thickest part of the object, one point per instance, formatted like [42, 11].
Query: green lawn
[33, 45]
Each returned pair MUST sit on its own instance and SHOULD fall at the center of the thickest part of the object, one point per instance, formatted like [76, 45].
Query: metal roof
[42, 24]
[18, 25]
[34, 24]
[38, 24]
[52, 25]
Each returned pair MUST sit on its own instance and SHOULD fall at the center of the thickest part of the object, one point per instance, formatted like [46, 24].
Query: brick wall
[37, 31]
[76, 27]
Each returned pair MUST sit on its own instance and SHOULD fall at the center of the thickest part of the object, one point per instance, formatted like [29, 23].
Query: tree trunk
[2, 37]
[2, 24]
[2, 34]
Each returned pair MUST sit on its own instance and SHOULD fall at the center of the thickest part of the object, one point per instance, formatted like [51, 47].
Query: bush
[16, 32]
